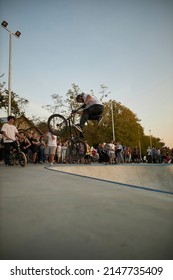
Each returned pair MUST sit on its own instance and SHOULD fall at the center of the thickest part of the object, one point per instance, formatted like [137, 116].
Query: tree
[61, 106]
[71, 101]
[17, 103]
[103, 92]
[126, 126]
[71, 96]
[56, 108]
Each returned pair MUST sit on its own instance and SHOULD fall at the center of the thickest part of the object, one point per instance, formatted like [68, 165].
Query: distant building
[23, 124]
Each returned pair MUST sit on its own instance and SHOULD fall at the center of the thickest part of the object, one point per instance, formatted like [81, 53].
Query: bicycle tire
[21, 158]
[78, 149]
[57, 124]
[11, 159]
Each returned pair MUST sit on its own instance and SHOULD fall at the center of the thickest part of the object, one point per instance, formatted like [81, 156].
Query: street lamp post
[140, 153]
[150, 139]
[17, 34]
[113, 129]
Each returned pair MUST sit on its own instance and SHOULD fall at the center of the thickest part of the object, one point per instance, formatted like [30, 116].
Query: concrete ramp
[151, 177]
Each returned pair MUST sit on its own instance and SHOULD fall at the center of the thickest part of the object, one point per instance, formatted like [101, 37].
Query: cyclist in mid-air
[92, 109]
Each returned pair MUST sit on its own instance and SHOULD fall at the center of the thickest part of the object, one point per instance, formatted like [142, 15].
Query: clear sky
[126, 45]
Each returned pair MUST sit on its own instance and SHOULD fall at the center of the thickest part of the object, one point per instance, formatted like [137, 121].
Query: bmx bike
[61, 126]
[17, 157]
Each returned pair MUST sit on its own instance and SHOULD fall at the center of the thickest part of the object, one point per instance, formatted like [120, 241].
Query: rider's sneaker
[100, 120]
[77, 127]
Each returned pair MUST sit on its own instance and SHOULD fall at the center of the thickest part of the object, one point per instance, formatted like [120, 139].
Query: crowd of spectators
[49, 149]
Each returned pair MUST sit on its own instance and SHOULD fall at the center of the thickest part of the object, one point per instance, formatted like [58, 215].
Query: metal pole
[10, 75]
[140, 154]
[113, 130]
[150, 140]
[17, 34]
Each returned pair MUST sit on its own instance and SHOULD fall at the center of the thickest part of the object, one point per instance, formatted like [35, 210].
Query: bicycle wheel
[78, 149]
[21, 159]
[57, 124]
[11, 159]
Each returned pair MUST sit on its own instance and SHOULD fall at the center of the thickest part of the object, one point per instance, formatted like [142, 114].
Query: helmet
[80, 95]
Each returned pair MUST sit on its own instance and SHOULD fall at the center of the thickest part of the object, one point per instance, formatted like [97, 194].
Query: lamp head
[18, 33]
[4, 24]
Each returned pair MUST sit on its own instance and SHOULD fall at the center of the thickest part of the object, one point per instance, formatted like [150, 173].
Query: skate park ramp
[151, 177]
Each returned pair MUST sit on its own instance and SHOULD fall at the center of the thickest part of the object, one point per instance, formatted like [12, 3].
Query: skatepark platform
[86, 212]
[153, 177]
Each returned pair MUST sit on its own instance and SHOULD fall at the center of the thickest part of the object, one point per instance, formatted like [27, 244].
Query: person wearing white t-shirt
[58, 151]
[111, 152]
[51, 147]
[9, 132]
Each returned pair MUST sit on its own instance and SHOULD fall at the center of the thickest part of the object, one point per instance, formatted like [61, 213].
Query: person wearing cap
[91, 109]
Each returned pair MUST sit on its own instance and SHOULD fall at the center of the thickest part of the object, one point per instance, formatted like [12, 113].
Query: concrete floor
[54, 215]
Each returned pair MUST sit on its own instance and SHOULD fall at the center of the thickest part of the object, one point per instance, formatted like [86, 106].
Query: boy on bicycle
[9, 132]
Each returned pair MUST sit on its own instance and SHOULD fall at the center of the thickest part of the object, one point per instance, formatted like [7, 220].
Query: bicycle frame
[70, 123]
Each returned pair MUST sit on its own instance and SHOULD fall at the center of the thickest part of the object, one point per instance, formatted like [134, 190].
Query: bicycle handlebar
[74, 111]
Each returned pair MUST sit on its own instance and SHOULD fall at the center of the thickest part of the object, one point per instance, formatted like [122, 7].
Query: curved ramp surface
[154, 177]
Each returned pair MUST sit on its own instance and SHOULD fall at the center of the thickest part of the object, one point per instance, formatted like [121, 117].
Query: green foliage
[126, 126]
[17, 103]
[71, 97]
